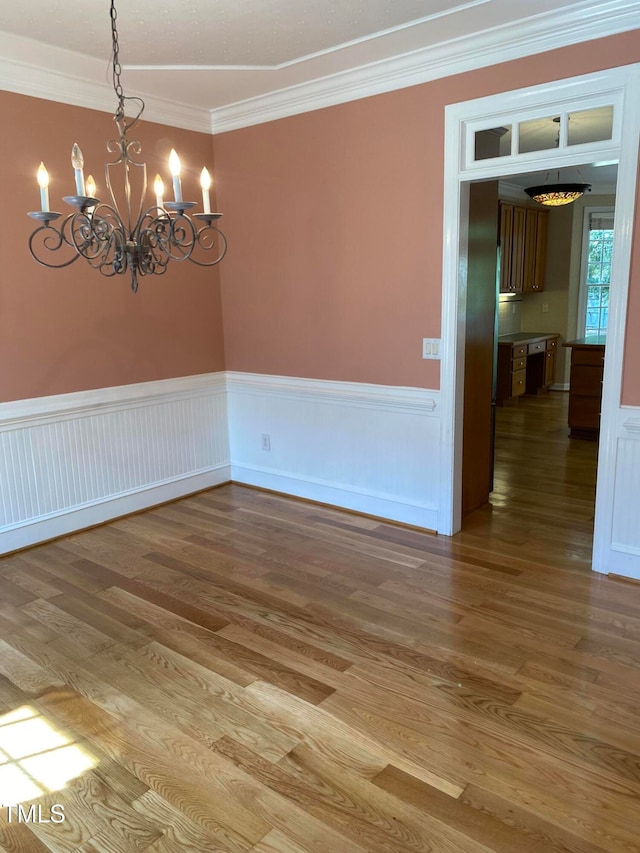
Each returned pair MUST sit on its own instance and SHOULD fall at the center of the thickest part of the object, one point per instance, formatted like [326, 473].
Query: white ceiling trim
[49, 72]
[60, 75]
[511, 41]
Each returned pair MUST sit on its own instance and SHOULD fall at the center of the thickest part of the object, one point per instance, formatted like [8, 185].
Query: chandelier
[126, 238]
[555, 195]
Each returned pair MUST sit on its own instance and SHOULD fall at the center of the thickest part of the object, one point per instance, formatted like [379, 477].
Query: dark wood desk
[526, 364]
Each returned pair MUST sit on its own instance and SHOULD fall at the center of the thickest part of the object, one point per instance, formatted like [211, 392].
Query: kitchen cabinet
[585, 386]
[526, 364]
[523, 248]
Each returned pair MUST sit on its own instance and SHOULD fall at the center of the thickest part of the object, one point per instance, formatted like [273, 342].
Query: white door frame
[619, 87]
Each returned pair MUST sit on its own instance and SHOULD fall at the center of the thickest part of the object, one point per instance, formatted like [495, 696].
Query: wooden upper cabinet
[506, 246]
[518, 249]
[523, 248]
[541, 249]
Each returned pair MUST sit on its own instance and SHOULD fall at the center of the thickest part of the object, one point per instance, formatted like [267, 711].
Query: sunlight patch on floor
[36, 758]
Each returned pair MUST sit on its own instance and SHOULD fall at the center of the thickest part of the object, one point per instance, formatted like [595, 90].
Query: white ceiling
[225, 33]
[199, 55]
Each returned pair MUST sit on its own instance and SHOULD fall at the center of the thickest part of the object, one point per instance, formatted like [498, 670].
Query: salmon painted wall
[72, 329]
[631, 367]
[338, 213]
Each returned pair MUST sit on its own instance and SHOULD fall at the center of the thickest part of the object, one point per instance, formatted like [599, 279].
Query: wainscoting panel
[369, 448]
[73, 460]
[620, 508]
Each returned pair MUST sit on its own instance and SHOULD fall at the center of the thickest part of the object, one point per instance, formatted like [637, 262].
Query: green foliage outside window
[598, 279]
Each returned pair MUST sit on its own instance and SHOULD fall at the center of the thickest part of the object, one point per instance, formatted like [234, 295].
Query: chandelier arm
[181, 238]
[206, 241]
[51, 240]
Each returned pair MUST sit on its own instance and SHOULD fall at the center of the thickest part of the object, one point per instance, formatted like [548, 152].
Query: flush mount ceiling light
[116, 240]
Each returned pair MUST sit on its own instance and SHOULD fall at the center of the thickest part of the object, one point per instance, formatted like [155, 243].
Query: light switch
[431, 348]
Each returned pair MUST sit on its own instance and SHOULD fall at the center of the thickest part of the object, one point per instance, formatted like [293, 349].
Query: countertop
[526, 337]
[589, 341]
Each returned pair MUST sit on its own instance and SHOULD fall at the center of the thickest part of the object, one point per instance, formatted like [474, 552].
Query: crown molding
[540, 33]
[44, 71]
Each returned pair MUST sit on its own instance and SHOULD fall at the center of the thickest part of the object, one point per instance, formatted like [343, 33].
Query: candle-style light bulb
[174, 168]
[158, 188]
[77, 161]
[43, 182]
[90, 187]
[205, 183]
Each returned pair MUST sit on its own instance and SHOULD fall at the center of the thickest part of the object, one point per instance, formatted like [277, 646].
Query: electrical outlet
[545, 307]
[266, 441]
[431, 348]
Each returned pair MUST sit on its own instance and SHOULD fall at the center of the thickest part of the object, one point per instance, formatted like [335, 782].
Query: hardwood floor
[544, 487]
[240, 671]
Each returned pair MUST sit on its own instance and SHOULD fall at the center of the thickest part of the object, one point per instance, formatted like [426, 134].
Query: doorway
[513, 109]
[534, 483]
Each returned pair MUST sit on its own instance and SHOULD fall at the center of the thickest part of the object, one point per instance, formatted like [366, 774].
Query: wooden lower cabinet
[550, 358]
[526, 365]
[585, 387]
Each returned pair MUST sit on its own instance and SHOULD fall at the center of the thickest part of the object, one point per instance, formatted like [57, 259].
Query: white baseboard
[368, 503]
[368, 448]
[37, 530]
[559, 386]
[75, 460]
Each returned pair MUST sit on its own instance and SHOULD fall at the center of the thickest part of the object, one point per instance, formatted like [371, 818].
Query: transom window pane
[538, 134]
[590, 125]
[493, 142]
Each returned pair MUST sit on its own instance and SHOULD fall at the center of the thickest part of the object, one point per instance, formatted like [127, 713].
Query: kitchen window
[597, 253]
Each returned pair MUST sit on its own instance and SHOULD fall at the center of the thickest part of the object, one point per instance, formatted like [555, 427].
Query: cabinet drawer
[540, 346]
[586, 380]
[584, 412]
[552, 343]
[518, 364]
[519, 350]
[592, 355]
[518, 383]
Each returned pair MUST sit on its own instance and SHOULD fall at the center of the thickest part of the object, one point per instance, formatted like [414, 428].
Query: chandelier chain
[117, 68]
[116, 72]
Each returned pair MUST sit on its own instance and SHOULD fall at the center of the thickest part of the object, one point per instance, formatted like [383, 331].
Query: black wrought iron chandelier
[127, 238]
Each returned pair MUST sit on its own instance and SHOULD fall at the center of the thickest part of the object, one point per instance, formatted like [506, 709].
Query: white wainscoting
[73, 460]
[369, 448]
[618, 501]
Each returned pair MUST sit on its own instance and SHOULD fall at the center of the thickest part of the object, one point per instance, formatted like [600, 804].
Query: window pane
[539, 134]
[493, 142]
[590, 125]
